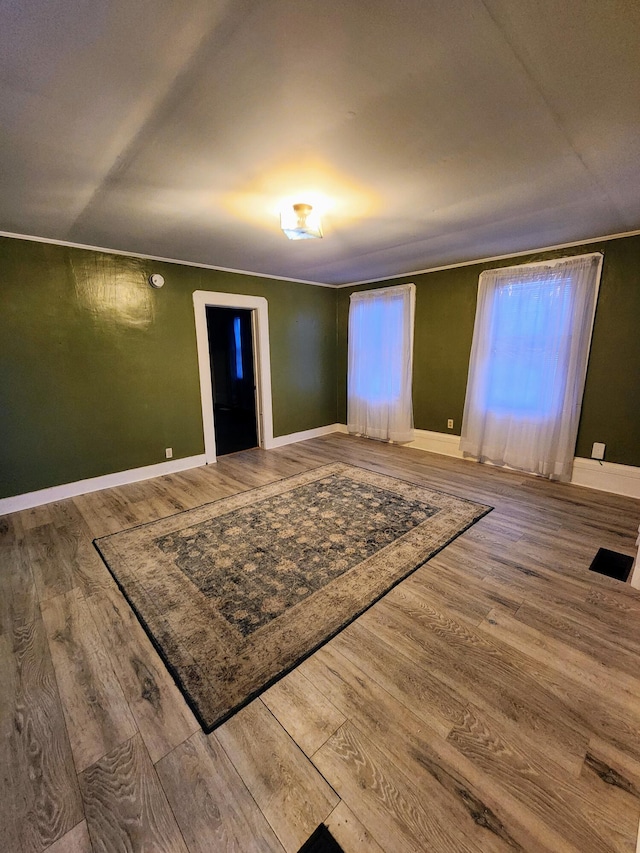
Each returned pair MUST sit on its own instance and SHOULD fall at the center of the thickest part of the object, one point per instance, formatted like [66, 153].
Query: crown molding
[67, 243]
[494, 258]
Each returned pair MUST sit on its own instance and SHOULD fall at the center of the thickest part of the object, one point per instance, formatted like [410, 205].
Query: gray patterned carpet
[235, 593]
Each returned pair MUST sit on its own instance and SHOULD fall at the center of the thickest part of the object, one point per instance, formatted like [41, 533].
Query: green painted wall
[98, 371]
[445, 312]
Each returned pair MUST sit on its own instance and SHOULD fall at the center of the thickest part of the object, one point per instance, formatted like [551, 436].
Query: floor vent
[612, 563]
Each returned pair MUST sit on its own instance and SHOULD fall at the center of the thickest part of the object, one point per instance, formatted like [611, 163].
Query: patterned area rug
[235, 593]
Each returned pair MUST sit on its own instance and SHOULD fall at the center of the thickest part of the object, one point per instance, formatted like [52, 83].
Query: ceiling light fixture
[301, 223]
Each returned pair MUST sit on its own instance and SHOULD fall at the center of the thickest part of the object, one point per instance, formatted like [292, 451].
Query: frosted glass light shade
[301, 223]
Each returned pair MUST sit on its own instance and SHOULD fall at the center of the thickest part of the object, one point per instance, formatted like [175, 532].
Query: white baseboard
[293, 437]
[94, 484]
[433, 442]
[605, 477]
[437, 442]
[135, 475]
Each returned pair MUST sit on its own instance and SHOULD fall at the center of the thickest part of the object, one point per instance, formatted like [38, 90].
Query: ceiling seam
[557, 120]
[163, 106]
[477, 261]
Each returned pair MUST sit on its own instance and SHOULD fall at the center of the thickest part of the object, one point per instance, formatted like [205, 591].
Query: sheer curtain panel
[380, 365]
[528, 364]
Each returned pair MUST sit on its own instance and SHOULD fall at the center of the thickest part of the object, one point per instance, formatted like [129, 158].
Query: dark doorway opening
[233, 380]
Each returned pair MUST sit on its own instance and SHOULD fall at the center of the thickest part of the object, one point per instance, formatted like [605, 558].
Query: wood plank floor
[490, 702]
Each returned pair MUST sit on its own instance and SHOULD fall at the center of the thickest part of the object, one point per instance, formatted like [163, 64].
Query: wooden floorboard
[40, 787]
[411, 743]
[349, 832]
[75, 841]
[212, 804]
[287, 787]
[126, 807]
[98, 717]
[303, 711]
[159, 710]
[490, 702]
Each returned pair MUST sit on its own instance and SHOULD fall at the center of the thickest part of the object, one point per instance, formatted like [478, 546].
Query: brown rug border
[208, 728]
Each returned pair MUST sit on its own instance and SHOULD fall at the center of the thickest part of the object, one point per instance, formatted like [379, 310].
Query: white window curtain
[380, 367]
[528, 364]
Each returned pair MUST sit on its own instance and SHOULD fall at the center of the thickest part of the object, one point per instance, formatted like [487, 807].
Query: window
[532, 323]
[237, 341]
[380, 363]
[528, 364]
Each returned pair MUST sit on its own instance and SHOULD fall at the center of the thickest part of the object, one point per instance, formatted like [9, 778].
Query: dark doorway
[232, 378]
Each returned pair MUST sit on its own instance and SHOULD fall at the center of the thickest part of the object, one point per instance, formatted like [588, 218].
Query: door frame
[202, 299]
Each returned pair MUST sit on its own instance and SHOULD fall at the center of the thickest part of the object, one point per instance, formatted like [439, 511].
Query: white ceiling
[440, 130]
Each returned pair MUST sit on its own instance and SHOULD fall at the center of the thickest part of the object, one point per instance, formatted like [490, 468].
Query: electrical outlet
[597, 451]
[168, 452]
[450, 423]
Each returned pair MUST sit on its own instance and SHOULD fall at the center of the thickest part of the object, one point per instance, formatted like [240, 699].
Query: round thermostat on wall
[156, 280]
